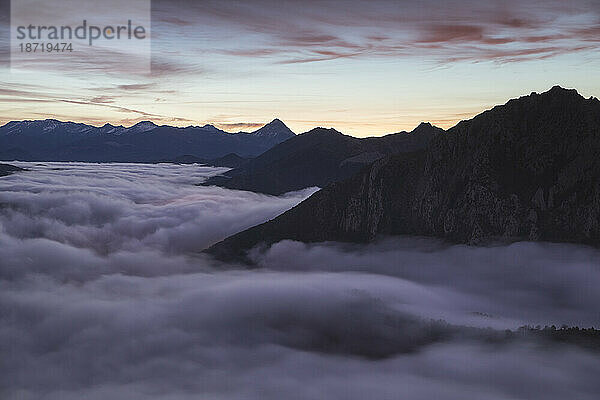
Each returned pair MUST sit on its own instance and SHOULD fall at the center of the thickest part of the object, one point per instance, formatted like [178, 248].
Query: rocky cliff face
[526, 170]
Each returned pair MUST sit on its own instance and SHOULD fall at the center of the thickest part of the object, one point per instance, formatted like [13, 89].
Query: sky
[364, 68]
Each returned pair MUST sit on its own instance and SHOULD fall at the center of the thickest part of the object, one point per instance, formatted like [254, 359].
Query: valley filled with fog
[105, 293]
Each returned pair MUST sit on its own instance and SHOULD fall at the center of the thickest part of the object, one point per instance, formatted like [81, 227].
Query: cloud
[16, 92]
[106, 101]
[254, 335]
[240, 125]
[492, 282]
[113, 107]
[460, 30]
[103, 294]
[321, 56]
[136, 86]
[452, 33]
[164, 67]
[102, 99]
[174, 216]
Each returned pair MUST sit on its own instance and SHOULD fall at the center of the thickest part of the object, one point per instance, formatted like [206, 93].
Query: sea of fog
[105, 294]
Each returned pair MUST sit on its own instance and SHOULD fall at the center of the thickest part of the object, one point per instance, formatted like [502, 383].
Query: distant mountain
[230, 160]
[317, 158]
[52, 140]
[275, 130]
[140, 127]
[6, 169]
[526, 170]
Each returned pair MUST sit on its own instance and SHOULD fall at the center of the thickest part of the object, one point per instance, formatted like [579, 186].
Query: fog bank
[103, 294]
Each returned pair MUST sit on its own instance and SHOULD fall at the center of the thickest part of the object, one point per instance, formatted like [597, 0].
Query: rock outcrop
[527, 170]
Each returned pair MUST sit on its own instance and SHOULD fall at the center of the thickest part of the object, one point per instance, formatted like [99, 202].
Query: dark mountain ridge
[527, 170]
[318, 158]
[7, 169]
[52, 140]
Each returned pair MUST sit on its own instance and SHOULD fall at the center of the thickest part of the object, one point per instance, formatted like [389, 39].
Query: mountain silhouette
[7, 169]
[526, 170]
[317, 158]
[52, 140]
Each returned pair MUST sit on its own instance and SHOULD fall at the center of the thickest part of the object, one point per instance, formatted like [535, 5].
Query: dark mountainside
[230, 160]
[318, 158]
[51, 140]
[526, 170]
[7, 169]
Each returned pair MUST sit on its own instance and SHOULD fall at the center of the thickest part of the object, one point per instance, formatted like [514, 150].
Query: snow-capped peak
[275, 129]
[143, 126]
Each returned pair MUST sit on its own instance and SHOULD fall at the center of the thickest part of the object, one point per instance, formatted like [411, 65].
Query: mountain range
[526, 170]
[52, 140]
[318, 158]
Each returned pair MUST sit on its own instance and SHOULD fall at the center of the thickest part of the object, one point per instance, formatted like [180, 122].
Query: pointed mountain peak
[424, 125]
[209, 127]
[146, 123]
[143, 126]
[276, 122]
[559, 89]
[112, 129]
[275, 129]
[425, 128]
